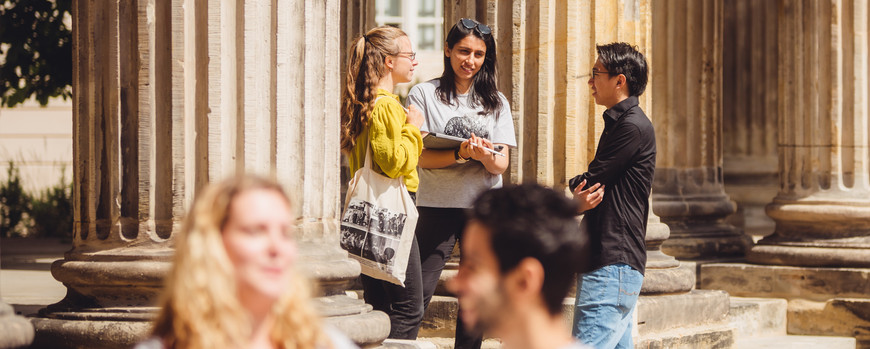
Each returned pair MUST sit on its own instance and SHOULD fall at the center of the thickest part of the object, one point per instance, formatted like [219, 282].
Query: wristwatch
[459, 158]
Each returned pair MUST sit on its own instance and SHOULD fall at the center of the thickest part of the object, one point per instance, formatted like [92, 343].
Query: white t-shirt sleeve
[415, 97]
[504, 128]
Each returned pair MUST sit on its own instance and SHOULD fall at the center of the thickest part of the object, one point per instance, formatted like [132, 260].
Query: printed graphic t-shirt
[458, 185]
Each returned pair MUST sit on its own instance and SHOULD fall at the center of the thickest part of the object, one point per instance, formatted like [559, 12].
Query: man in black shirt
[624, 164]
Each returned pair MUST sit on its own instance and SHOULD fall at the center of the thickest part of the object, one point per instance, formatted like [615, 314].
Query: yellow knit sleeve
[396, 146]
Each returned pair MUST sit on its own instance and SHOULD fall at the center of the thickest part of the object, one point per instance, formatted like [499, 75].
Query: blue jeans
[603, 308]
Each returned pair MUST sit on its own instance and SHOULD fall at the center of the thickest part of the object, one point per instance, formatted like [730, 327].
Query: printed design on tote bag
[372, 232]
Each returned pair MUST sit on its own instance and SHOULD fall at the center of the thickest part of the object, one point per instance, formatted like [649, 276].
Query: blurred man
[520, 252]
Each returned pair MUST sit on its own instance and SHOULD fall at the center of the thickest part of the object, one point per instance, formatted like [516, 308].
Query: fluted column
[822, 210]
[172, 95]
[749, 111]
[688, 191]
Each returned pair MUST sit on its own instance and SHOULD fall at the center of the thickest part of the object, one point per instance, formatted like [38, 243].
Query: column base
[355, 319]
[695, 208]
[678, 279]
[712, 240]
[810, 256]
[830, 229]
[329, 266]
[109, 302]
[62, 334]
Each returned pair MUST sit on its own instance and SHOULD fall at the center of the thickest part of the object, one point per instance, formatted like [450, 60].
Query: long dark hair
[483, 90]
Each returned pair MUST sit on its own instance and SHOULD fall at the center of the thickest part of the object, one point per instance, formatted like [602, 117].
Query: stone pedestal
[688, 191]
[664, 274]
[819, 255]
[750, 111]
[170, 96]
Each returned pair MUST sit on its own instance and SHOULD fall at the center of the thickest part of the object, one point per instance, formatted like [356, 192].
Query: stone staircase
[699, 319]
[760, 323]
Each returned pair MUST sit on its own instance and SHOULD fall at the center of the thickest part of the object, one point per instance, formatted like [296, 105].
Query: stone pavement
[25, 273]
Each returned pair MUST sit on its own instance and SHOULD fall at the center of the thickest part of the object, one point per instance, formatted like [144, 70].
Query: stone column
[132, 176]
[174, 94]
[819, 255]
[822, 210]
[688, 191]
[749, 111]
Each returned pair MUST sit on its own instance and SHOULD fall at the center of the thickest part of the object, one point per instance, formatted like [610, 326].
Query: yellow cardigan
[396, 145]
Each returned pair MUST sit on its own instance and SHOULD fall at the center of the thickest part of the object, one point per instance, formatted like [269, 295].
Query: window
[422, 20]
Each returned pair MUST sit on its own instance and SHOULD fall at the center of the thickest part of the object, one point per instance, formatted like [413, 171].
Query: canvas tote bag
[378, 223]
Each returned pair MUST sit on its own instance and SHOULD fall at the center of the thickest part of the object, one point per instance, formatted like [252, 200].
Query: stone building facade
[171, 95]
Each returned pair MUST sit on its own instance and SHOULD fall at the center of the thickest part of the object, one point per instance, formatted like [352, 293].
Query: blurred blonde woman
[233, 283]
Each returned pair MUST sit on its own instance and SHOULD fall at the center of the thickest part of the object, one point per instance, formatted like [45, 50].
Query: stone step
[447, 343]
[703, 336]
[758, 317]
[696, 319]
[407, 344]
[662, 313]
[440, 318]
[796, 342]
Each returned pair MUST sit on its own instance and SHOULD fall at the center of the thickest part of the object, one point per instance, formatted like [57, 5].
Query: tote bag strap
[367, 162]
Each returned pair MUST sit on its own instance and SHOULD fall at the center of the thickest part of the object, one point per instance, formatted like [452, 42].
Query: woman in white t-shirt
[464, 102]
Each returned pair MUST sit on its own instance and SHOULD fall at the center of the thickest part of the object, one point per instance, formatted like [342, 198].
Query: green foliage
[14, 204]
[52, 211]
[49, 214]
[37, 47]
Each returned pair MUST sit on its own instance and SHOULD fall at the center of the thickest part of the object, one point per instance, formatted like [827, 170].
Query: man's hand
[588, 198]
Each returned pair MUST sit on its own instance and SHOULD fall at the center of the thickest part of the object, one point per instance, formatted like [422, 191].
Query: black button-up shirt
[624, 163]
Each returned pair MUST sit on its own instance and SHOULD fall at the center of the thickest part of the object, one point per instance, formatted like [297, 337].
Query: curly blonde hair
[365, 67]
[199, 306]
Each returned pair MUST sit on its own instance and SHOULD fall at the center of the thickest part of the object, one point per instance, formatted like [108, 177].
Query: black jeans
[438, 230]
[404, 305]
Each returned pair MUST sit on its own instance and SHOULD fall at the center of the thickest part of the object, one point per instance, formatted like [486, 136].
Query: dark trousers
[438, 231]
[404, 305]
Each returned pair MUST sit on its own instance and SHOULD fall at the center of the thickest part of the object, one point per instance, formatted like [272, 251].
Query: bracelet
[459, 159]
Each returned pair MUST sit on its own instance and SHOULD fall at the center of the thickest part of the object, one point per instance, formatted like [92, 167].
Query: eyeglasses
[470, 24]
[596, 72]
[411, 55]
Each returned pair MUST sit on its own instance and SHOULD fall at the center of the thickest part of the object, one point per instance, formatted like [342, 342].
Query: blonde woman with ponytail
[372, 115]
[233, 283]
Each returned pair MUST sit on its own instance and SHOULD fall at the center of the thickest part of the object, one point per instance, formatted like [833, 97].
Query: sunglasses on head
[471, 24]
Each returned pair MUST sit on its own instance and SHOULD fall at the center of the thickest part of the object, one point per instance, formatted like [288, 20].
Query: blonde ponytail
[365, 67]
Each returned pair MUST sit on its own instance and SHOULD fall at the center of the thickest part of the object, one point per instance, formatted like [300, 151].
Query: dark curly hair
[529, 220]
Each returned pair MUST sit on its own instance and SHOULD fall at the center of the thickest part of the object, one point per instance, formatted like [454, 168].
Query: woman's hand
[475, 148]
[414, 117]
